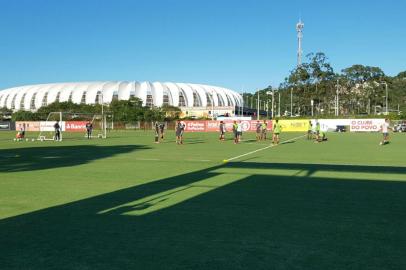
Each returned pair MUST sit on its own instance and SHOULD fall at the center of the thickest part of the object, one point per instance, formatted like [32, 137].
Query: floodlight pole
[291, 101]
[258, 107]
[312, 105]
[103, 116]
[386, 97]
[60, 121]
[212, 104]
[279, 104]
[242, 104]
[273, 101]
[337, 99]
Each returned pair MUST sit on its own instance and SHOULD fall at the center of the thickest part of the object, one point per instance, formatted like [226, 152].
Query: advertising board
[75, 126]
[29, 125]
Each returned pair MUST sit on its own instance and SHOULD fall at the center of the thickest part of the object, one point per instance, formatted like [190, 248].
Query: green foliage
[5, 114]
[121, 110]
[25, 116]
[361, 90]
[171, 112]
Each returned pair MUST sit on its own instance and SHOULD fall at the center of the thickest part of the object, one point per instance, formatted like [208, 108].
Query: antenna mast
[299, 30]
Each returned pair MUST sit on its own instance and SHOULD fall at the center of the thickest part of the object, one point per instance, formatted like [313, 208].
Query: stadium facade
[183, 95]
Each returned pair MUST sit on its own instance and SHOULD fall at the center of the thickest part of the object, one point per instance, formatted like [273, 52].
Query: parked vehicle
[399, 127]
[341, 129]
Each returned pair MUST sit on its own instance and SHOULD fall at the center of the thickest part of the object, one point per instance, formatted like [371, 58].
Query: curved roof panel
[32, 97]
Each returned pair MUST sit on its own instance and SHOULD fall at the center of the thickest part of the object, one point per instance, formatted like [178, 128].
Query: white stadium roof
[33, 97]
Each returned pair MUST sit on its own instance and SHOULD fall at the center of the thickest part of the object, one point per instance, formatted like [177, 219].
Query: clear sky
[230, 43]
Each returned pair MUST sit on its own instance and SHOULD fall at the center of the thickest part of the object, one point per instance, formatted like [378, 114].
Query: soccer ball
[15, 139]
[33, 140]
[381, 143]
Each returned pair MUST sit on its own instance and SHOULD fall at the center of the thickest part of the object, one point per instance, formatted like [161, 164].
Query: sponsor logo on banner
[214, 126]
[49, 126]
[195, 126]
[246, 125]
[366, 125]
[293, 125]
[29, 125]
[75, 126]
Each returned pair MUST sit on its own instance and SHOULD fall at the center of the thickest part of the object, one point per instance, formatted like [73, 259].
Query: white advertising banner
[49, 126]
[366, 125]
[331, 124]
[361, 125]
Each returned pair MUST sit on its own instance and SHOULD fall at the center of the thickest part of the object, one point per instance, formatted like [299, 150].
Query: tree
[25, 116]
[5, 113]
[171, 112]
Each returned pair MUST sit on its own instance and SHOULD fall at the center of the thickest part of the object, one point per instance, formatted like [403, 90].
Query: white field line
[269, 146]
[188, 160]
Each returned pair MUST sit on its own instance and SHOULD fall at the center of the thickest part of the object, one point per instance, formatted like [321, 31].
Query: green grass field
[127, 203]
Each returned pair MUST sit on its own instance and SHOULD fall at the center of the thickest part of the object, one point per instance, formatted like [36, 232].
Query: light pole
[242, 104]
[212, 105]
[102, 111]
[279, 104]
[386, 97]
[267, 108]
[337, 100]
[312, 103]
[258, 107]
[271, 93]
[291, 102]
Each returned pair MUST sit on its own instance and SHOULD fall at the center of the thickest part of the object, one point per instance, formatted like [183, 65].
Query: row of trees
[360, 90]
[119, 110]
[311, 88]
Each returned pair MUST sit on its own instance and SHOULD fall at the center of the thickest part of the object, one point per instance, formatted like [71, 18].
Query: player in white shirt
[239, 131]
[385, 132]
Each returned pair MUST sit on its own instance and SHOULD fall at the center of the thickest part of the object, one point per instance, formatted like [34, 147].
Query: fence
[289, 125]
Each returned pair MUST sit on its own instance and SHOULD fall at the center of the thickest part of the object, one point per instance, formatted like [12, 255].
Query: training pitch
[127, 203]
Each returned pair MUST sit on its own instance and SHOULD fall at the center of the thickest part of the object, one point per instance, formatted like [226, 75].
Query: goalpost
[72, 125]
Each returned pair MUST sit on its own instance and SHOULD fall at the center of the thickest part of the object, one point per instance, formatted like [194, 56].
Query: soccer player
[180, 128]
[222, 128]
[277, 128]
[239, 131]
[385, 132]
[317, 131]
[57, 128]
[258, 130]
[309, 130]
[89, 129]
[264, 127]
[23, 130]
[162, 130]
[156, 132]
[235, 125]
[322, 137]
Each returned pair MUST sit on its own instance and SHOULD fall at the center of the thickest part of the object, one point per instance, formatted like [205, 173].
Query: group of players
[261, 131]
[237, 129]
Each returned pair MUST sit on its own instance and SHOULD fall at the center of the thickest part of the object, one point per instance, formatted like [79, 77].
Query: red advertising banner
[214, 126]
[75, 126]
[195, 126]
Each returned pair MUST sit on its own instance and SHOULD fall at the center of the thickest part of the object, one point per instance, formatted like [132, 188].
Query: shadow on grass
[39, 158]
[256, 222]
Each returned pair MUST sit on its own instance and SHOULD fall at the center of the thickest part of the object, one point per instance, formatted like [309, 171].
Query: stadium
[183, 95]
